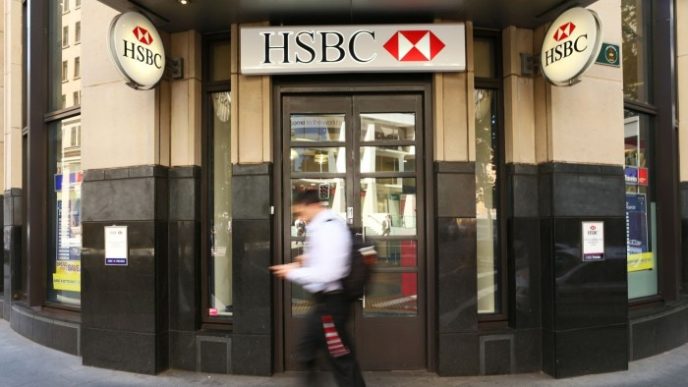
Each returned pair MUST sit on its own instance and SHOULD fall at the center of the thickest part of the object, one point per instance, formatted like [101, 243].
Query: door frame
[360, 83]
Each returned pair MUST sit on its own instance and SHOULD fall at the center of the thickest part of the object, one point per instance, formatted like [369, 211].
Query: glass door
[360, 152]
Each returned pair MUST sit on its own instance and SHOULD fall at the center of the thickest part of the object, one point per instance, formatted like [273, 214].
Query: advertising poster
[639, 256]
[67, 276]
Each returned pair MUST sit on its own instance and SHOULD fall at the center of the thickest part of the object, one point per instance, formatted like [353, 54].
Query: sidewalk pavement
[25, 363]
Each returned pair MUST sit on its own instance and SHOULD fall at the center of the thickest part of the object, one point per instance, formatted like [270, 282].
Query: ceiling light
[184, 2]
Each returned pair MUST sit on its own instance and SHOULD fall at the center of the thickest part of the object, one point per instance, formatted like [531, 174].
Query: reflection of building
[472, 183]
[71, 53]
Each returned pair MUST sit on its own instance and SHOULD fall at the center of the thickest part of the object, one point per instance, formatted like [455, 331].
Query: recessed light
[184, 2]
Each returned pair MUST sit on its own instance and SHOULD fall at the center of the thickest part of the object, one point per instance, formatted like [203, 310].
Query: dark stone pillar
[184, 264]
[684, 233]
[525, 272]
[251, 346]
[12, 272]
[457, 277]
[124, 310]
[585, 305]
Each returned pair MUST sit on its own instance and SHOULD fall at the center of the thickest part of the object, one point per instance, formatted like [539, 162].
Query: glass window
[637, 34]
[65, 71]
[65, 36]
[77, 32]
[64, 160]
[485, 61]
[77, 70]
[64, 264]
[60, 54]
[486, 163]
[220, 63]
[220, 263]
[641, 206]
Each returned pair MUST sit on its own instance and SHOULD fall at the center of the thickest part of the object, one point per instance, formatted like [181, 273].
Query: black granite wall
[125, 309]
[456, 272]
[585, 305]
[184, 238]
[683, 187]
[524, 265]
[251, 346]
[12, 221]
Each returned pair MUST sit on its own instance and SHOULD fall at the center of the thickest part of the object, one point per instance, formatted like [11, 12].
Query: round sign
[571, 45]
[137, 50]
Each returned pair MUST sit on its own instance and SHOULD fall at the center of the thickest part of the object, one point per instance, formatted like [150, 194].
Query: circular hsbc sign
[571, 45]
[137, 50]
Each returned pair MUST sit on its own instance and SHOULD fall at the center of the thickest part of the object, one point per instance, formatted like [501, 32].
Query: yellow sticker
[67, 276]
[641, 261]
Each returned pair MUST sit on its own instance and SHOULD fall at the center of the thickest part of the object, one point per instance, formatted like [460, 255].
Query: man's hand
[281, 271]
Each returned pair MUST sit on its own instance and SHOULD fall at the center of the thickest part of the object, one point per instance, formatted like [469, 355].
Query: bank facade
[521, 226]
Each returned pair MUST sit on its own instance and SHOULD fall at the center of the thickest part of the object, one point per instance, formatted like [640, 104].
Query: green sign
[609, 55]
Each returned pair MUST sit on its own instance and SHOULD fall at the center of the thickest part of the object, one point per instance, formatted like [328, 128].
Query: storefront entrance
[364, 153]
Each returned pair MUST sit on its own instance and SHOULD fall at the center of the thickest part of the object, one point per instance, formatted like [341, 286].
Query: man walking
[320, 270]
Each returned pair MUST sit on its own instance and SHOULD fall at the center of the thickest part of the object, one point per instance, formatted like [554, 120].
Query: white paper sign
[593, 241]
[116, 246]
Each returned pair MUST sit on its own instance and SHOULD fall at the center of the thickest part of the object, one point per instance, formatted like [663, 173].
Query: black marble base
[585, 351]
[124, 351]
[50, 332]
[458, 354]
[659, 330]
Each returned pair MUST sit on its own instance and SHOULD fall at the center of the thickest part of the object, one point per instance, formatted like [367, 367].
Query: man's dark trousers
[326, 330]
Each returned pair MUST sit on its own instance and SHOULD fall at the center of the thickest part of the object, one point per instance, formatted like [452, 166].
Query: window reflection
[388, 206]
[392, 295]
[330, 160]
[318, 127]
[64, 54]
[388, 126]
[64, 283]
[486, 148]
[637, 34]
[641, 207]
[220, 264]
[388, 159]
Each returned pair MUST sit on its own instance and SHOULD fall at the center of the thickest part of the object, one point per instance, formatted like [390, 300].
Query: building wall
[682, 73]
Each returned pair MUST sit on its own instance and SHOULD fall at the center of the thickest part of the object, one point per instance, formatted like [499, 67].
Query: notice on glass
[593, 241]
[116, 246]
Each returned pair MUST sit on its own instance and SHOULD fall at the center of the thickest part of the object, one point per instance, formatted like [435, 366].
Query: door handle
[350, 215]
[363, 301]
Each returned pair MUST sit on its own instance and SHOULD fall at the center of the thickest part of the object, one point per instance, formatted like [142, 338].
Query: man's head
[307, 205]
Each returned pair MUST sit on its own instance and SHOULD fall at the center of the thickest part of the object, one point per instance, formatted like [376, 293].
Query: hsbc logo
[570, 46]
[564, 31]
[369, 48]
[142, 35]
[137, 50]
[414, 46]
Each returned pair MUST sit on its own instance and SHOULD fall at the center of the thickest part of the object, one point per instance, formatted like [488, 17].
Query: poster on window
[639, 256]
[67, 276]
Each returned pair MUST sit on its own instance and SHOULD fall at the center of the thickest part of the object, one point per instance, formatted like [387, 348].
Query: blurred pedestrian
[319, 270]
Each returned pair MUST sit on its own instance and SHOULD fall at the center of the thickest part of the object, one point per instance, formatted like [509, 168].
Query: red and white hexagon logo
[414, 45]
[142, 35]
[564, 31]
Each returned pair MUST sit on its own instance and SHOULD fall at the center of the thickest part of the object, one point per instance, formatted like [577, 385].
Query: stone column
[124, 309]
[682, 73]
[580, 140]
[456, 223]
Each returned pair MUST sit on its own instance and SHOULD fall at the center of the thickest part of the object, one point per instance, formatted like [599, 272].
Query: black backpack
[362, 258]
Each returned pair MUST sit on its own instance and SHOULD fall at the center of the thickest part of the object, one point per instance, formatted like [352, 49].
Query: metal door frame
[346, 84]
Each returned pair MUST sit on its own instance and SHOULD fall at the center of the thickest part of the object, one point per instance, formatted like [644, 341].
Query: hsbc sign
[372, 48]
[137, 49]
[571, 46]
